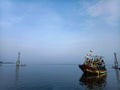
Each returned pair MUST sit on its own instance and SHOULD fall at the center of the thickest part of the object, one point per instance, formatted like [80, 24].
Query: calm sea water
[55, 77]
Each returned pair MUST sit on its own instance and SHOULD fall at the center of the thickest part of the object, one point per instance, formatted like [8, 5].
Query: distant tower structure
[115, 61]
[18, 60]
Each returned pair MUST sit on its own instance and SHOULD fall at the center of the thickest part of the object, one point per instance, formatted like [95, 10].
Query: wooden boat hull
[91, 71]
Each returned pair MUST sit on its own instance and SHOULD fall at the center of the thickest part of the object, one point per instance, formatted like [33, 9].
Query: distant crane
[115, 62]
[18, 60]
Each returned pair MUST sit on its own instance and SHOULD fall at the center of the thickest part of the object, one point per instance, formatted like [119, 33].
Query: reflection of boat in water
[93, 82]
[117, 75]
[17, 73]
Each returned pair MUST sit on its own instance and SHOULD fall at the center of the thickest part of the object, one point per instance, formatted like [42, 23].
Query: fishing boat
[92, 70]
[93, 65]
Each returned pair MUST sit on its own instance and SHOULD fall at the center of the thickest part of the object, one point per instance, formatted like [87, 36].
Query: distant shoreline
[6, 62]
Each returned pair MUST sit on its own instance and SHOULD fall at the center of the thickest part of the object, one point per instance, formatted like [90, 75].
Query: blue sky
[58, 31]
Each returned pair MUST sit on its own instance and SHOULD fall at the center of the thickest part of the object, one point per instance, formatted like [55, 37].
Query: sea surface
[55, 77]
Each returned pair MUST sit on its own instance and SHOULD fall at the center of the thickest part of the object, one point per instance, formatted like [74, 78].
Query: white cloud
[107, 8]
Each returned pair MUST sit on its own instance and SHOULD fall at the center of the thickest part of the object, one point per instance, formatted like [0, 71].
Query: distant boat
[1, 62]
[6, 62]
[115, 62]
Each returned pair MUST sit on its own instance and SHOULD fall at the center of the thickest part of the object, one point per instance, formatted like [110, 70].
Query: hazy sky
[58, 31]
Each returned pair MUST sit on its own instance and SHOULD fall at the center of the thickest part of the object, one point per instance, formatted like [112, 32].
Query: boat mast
[115, 60]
